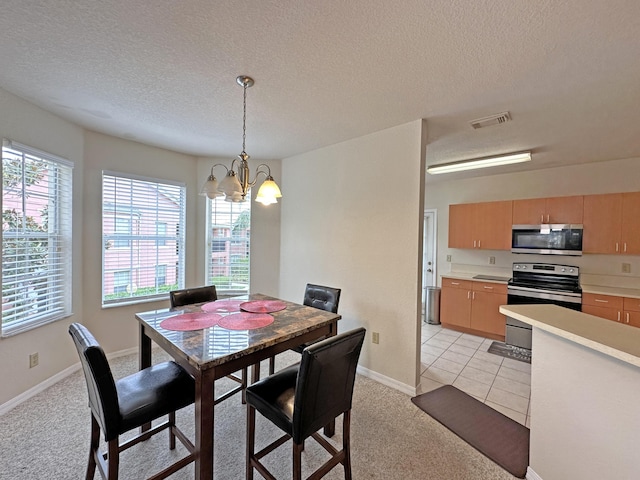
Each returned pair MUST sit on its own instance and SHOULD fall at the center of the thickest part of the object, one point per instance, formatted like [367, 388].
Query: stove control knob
[563, 270]
[571, 270]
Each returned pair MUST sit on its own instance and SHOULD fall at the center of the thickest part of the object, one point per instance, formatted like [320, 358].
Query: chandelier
[236, 183]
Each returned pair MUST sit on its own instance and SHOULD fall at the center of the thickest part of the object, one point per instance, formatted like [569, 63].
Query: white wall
[30, 125]
[594, 178]
[352, 218]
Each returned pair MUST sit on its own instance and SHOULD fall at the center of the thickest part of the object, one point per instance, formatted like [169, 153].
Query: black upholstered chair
[303, 398]
[189, 296]
[118, 406]
[317, 296]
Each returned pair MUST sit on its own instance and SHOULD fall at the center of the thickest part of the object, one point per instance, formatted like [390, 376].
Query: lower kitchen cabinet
[473, 306]
[619, 309]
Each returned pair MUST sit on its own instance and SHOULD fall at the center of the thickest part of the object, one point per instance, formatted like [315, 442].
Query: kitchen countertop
[615, 291]
[610, 338]
[472, 276]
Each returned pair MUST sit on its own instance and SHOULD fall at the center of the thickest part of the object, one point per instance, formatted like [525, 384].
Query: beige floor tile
[434, 342]
[472, 387]
[427, 358]
[515, 375]
[456, 357]
[432, 350]
[439, 375]
[511, 386]
[517, 365]
[462, 349]
[466, 342]
[489, 357]
[521, 418]
[427, 385]
[508, 399]
[483, 365]
[448, 365]
[478, 375]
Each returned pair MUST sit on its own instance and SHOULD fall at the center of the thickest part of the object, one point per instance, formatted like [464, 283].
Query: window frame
[148, 246]
[57, 207]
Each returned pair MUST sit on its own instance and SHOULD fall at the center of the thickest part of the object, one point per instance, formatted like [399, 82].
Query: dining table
[236, 335]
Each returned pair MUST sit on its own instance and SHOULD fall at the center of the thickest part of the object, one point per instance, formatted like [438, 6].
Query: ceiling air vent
[496, 119]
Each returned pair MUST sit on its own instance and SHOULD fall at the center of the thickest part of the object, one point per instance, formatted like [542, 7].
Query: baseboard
[531, 475]
[389, 382]
[42, 386]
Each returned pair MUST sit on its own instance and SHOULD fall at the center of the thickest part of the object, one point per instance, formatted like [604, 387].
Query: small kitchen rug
[501, 439]
[509, 351]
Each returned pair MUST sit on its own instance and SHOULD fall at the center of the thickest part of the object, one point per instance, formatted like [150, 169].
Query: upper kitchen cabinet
[534, 211]
[612, 223]
[485, 226]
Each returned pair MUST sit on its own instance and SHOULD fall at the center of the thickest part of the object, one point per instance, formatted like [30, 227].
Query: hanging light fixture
[236, 184]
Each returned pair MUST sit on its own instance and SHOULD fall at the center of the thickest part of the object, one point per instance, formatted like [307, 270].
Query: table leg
[204, 415]
[144, 361]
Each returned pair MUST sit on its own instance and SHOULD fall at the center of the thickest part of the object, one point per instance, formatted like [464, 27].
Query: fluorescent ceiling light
[479, 163]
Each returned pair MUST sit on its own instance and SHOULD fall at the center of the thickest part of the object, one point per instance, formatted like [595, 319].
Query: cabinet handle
[455, 283]
[473, 295]
[618, 315]
[542, 218]
[474, 244]
[547, 218]
[602, 301]
[479, 241]
[468, 295]
[625, 246]
[627, 317]
[488, 288]
[617, 249]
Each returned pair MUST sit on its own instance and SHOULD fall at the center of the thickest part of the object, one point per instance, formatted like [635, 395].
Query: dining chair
[303, 398]
[317, 296]
[118, 406]
[189, 296]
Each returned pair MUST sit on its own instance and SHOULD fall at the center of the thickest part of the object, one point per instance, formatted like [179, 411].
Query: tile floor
[462, 360]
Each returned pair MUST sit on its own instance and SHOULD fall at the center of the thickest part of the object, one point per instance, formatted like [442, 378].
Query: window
[229, 225]
[36, 237]
[137, 216]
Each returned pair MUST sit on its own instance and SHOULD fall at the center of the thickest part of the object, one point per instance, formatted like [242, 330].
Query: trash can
[432, 305]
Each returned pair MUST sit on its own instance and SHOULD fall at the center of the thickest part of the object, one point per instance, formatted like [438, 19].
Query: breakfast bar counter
[585, 386]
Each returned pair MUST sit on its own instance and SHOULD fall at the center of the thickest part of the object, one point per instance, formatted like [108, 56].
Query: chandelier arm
[267, 175]
[219, 165]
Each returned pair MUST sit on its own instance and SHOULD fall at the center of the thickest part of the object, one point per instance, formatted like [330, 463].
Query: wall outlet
[33, 360]
[492, 260]
[626, 268]
[448, 258]
[375, 337]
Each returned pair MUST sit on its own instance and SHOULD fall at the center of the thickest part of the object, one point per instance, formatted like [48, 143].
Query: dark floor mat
[493, 434]
[509, 351]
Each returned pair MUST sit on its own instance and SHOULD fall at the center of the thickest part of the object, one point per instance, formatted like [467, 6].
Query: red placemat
[263, 306]
[222, 306]
[245, 321]
[191, 321]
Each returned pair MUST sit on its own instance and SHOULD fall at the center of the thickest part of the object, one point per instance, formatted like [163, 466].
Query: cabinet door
[455, 306]
[602, 223]
[603, 312]
[485, 316]
[528, 212]
[632, 318]
[564, 210]
[493, 225]
[461, 219]
[630, 223]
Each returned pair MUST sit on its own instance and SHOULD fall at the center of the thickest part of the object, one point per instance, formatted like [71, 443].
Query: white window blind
[142, 238]
[36, 237]
[228, 242]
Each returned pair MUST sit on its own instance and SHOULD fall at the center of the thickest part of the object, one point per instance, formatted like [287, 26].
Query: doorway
[429, 252]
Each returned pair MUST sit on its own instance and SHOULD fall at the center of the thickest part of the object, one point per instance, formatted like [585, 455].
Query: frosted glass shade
[268, 192]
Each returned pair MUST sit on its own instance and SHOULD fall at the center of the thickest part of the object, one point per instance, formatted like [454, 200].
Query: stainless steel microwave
[553, 239]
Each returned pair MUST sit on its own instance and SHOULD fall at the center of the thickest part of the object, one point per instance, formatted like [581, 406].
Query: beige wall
[595, 178]
[352, 219]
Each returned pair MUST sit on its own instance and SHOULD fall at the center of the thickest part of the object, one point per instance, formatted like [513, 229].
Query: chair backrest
[324, 387]
[101, 387]
[324, 298]
[178, 298]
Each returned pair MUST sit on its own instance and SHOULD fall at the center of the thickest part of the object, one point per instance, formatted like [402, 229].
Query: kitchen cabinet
[473, 306]
[619, 309]
[534, 211]
[612, 223]
[485, 226]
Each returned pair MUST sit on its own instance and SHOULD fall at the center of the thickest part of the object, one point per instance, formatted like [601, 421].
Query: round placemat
[222, 306]
[263, 306]
[191, 321]
[245, 321]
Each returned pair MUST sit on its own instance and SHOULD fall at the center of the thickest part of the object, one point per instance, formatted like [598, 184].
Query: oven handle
[544, 294]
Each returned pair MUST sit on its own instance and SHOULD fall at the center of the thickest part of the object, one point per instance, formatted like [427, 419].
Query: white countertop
[469, 276]
[615, 291]
[611, 338]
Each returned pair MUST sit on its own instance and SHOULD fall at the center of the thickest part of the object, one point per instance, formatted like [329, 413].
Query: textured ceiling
[162, 72]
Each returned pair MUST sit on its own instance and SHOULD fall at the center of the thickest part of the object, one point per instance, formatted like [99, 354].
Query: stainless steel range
[535, 283]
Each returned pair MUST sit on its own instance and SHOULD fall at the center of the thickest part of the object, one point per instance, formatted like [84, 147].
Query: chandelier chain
[244, 118]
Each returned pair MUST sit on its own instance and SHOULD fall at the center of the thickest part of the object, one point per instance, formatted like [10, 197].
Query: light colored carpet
[47, 437]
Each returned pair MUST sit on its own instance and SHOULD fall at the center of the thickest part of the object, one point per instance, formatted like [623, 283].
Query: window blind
[142, 238]
[36, 237]
[228, 245]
